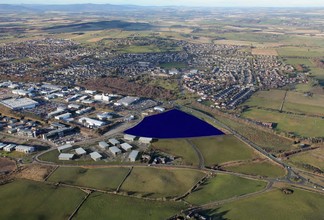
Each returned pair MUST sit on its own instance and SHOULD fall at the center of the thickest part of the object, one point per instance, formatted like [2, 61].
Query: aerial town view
[116, 109]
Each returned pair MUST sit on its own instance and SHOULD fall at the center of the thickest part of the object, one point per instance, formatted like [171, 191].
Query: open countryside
[161, 112]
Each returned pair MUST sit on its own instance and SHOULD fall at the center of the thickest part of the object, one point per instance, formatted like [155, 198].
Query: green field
[178, 147]
[24, 199]
[266, 99]
[224, 186]
[269, 141]
[300, 125]
[106, 206]
[155, 182]
[275, 205]
[265, 169]
[300, 51]
[313, 157]
[100, 178]
[224, 148]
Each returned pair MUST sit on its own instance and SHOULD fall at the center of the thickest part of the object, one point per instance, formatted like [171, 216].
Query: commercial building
[64, 147]
[80, 151]
[95, 156]
[115, 150]
[133, 155]
[19, 103]
[66, 156]
[25, 149]
[126, 146]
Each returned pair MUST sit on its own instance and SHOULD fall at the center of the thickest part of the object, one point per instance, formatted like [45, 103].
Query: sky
[205, 3]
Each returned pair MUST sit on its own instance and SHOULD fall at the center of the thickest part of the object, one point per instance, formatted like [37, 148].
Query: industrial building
[19, 103]
[104, 116]
[133, 155]
[103, 145]
[90, 123]
[63, 116]
[64, 147]
[126, 146]
[9, 147]
[129, 137]
[66, 156]
[80, 151]
[145, 140]
[61, 132]
[114, 141]
[115, 150]
[127, 101]
[25, 149]
[95, 156]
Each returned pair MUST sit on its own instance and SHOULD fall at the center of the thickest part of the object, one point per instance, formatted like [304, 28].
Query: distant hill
[68, 8]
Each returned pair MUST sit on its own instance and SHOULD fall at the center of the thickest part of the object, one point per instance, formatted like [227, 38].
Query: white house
[113, 141]
[103, 144]
[133, 155]
[64, 147]
[95, 156]
[64, 156]
[9, 147]
[25, 149]
[80, 151]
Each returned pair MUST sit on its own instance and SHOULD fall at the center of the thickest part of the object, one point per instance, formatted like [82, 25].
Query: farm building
[25, 149]
[64, 147]
[103, 144]
[114, 141]
[95, 156]
[80, 151]
[133, 155]
[115, 150]
[126, 146]
[9, 147]
[66, 156]
[19, 103]
[145, 140]
[129, 137]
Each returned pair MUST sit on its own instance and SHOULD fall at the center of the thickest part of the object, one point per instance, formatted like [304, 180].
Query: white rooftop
[126, 146]
[19, 103]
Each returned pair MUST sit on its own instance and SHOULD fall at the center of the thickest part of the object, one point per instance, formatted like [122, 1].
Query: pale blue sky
[205, 3]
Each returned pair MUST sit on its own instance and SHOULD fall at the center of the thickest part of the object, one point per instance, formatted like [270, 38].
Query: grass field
[224, 148]
[313, 157]
[106, 206]
[24, 199]
[301, 125]
[266, 99]
[100, 178]
[301, 51]
[178, 147]
[265, 169]
[269, 141]
[294, 102]
[224, 186]
[275, 205]
[154, 182]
